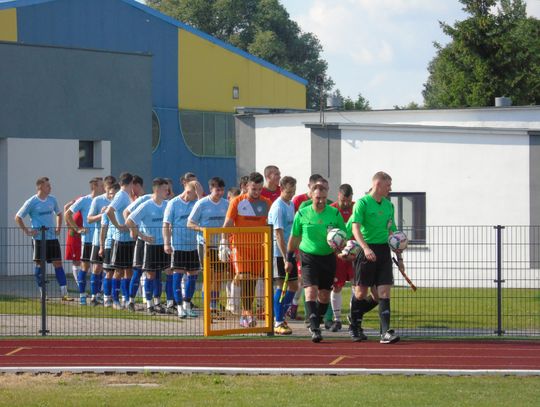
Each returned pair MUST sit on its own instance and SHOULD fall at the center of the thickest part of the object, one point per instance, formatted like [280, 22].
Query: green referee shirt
[313, 227]
[375, 218]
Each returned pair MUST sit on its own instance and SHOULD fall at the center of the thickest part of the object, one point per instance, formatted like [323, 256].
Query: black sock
[356, 312]
[384, 314]
[312, 314]
[321, 309]
[371, 303]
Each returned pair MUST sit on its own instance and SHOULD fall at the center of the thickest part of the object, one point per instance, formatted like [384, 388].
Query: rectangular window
[86, 154]
[410, 214]
[209, 134]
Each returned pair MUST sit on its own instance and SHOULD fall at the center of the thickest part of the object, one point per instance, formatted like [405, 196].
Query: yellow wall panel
[8, 24]
[208, 72]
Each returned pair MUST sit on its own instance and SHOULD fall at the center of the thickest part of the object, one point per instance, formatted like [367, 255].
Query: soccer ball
[398, 241]
[352, 248]
[336, 239]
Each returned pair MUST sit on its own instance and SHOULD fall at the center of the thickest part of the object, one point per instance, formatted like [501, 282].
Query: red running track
[271, 353]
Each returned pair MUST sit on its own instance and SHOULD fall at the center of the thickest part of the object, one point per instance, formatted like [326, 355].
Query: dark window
[209, 133]
[410, 214]
[156, 132]
[86, 154]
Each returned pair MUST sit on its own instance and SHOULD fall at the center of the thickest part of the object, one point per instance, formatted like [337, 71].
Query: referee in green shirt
[372, 222]
[310, 227]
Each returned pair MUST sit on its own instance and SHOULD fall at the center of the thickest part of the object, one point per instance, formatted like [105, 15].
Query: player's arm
[92, 216]
[133, 229]
[167, 232]
[111, 213]
[194, 225]
[71, 222]
[357, 233]
[280, 240]
[20, 223]
[59, 220]
[102, 236]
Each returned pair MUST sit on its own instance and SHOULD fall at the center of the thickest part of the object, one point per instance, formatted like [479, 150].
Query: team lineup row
[126, 234]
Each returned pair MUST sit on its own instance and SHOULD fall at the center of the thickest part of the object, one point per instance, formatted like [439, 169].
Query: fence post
[499, 279]
[43, 280]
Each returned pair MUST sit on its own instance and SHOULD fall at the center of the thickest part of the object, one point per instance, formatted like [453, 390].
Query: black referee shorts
[378, 272]
[185, 260]
[318, 270]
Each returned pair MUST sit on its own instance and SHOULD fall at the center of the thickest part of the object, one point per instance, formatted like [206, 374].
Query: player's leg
[95, 281]
[247, 286]
[385, 281]
[135, 281]
[149, 290]
[82, 273]
[54, 256]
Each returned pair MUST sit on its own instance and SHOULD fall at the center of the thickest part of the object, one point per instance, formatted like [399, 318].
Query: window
[209, 133]
[410, 214]
[86, 154]
[156, 132]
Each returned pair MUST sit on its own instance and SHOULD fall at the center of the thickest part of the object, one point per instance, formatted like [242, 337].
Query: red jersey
[346, 213]
[272, 195]
[298, 199]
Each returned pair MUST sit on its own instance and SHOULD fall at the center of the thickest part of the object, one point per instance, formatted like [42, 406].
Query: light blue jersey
[281, 216]
[119, 203]
[42, 213]
[98, 203]
[83, 205]
[176, 215]
[207, 213]
[110, 231]
[149, 218]
[137, 202]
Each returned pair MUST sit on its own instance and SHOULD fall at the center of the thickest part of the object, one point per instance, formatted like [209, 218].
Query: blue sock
[37, 274]
[81, 281]
[190, 286]
[107, 286]
[148, 290]
[278, 314]
[124, 286]
[135, 282]
[116, 289]
[177, 287]
[169, 292]
[60, 276]
[158, 287]
[93, 284]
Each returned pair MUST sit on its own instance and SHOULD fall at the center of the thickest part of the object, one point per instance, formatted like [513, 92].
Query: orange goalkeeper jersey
[248, 248]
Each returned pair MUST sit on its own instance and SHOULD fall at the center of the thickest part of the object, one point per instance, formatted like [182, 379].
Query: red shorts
[73, 247]
[344, 272]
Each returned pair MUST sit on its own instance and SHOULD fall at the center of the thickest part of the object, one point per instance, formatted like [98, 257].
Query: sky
[379, 48]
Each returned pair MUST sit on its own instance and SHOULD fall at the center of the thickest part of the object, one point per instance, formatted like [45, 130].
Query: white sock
[186, 305]
[336, 301]
[75, 271]
[63, 290]
[297, 296]
[156, 301]
[170, 303]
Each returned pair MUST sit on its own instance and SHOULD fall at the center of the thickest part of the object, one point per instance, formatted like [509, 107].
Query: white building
[469, 167]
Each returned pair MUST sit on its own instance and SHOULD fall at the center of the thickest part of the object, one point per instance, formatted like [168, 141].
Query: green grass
[439, 308]
[197, 390]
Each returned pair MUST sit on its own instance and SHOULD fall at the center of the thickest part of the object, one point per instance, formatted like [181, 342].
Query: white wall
[29, 159]
[287, 145]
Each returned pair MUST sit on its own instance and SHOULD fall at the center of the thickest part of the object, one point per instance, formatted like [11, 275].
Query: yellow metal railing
[237, 270]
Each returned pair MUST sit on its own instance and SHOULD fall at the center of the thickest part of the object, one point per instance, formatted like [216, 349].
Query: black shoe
[328, 325]
[389, 337]
[131, 307]
[316, 336]
[159, 309]
[151, 310]
[356, 333]
[171, 310]
[94, 302]
[336, 326]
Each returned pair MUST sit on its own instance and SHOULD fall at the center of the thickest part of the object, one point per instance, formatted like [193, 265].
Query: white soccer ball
[398, 241]
[336, 239]
[352, 248]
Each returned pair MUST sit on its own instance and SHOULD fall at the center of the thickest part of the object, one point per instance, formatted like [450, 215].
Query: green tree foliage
[494, 52]
[260, 27]
[409, 106]
[361, 103]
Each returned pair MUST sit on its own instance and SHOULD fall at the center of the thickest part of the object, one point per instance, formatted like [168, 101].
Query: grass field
[445, 308]
[197, 390]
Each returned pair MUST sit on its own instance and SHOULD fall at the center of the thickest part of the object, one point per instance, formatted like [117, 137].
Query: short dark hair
[287, 180]
[125, 178]
[235, 191]
[314, 178]
[216, 182]
[109, 180]
[95, 180]
[157, 182]
[346, 190]
[256, 177]
[137, 180]
[243, 180]
[188, 176]
[268, 169]
[115, 186]
[41, 180]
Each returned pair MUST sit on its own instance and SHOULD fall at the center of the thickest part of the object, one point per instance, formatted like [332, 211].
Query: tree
[409, 106]
[494, 52]
[260, 27]
[361, 103]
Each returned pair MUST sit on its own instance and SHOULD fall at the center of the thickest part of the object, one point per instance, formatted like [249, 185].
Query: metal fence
[472, 281]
